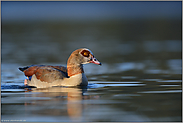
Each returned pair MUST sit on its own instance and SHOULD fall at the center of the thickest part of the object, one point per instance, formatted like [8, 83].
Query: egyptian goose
[43, 76]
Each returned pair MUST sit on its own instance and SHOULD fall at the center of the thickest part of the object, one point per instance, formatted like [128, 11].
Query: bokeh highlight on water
[138, 43]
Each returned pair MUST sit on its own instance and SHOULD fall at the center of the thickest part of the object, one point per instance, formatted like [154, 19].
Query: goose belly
[79, 79]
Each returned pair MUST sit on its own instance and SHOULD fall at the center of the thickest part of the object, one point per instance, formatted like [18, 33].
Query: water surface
[108, 97]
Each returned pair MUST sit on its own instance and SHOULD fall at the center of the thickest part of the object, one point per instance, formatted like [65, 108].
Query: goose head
[82, 56]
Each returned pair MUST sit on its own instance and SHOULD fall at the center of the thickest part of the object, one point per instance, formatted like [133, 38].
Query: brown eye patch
[85, 53]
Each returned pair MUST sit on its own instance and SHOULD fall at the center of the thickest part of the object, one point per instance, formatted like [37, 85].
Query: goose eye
[85, 53]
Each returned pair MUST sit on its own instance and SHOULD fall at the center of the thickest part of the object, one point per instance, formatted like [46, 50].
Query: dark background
[116, 32]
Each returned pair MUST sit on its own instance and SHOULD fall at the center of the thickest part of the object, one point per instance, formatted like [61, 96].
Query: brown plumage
[46, 73]
[59, 75]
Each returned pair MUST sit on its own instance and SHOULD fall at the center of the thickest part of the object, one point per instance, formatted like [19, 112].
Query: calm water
[115, 96]
[140, 78]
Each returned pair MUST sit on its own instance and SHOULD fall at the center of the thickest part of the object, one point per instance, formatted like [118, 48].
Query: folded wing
[45, 73]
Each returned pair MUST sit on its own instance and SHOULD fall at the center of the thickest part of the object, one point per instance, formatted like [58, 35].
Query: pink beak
[95, 61]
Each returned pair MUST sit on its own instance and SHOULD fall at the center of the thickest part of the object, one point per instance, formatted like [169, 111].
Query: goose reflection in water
[59, 101]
